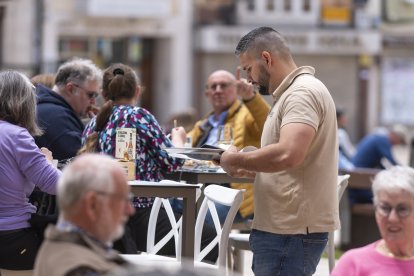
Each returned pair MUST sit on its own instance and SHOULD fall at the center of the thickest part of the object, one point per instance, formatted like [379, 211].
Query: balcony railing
[281, 12]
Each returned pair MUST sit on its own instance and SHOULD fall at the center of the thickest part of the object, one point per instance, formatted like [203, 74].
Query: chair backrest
[225, 196]
[175, 231]
[153, 247]
[342, 184]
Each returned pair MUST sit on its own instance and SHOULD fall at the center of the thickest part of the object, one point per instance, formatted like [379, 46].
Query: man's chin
[118, 233]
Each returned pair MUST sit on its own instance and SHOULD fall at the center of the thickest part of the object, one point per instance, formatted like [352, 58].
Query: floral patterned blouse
[151, 160]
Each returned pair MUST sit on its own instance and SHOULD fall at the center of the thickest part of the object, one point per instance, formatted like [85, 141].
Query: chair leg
[235, 259]
[238, 260]
[331, 251]
[229, 257]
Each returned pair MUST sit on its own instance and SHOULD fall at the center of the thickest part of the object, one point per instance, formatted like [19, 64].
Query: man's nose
[249, 78]
[218, 88]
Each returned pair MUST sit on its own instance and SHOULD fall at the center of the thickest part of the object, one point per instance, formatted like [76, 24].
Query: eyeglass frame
[129, 199]
[91, 94]
[223, 85]
[384, 210]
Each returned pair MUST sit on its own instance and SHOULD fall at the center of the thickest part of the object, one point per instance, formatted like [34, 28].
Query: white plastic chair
[225, 196]
[330, 247]
[241, 241]
[212, 194]
[152, 247]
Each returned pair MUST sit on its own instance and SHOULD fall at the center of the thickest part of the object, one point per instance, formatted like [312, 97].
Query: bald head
[222, 73]
[221, 90]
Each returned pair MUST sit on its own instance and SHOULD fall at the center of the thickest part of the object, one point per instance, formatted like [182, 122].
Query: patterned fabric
[151, 161]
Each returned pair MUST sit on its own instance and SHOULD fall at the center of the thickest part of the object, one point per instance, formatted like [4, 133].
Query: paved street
[321, 270]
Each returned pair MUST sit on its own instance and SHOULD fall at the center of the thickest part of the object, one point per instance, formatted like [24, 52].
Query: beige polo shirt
[303, 199]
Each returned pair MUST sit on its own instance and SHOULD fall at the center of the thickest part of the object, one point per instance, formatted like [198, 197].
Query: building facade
[361, 49]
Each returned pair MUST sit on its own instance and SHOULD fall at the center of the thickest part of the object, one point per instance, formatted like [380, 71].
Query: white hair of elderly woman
[394, 179]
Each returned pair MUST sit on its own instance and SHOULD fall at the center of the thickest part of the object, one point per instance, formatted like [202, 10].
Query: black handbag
[47, 211]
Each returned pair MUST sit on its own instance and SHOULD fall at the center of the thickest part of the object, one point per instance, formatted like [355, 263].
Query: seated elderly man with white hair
[94, 201]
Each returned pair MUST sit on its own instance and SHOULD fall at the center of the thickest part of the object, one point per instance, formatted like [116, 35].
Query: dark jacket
[62, 127]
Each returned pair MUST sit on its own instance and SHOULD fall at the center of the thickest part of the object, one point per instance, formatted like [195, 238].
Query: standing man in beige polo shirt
[297, 165]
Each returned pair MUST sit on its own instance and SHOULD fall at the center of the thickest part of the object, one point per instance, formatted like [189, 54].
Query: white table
[174, 189]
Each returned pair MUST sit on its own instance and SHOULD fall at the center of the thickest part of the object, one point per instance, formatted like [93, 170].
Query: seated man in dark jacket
[59, 111]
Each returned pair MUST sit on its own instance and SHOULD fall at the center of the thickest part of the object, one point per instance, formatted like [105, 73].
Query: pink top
[368, 261]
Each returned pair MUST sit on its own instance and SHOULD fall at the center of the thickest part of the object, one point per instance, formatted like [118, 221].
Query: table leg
[188, 227]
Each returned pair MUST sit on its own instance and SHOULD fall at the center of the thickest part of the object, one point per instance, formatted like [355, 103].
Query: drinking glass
[224, 137]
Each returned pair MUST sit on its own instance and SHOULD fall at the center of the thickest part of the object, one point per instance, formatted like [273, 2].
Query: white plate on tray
[195, 153]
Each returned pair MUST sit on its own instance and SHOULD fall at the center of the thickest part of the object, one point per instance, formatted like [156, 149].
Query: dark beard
[263, 90]
[263, 81]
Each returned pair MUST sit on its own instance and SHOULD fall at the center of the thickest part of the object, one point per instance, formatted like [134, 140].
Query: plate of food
[195, 153]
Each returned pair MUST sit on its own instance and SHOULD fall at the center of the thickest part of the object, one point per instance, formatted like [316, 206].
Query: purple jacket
[22, 167]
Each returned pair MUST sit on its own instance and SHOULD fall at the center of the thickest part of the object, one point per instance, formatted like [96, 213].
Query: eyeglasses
[385, 210]
[128, 199]
[222, 85]
[91, 94]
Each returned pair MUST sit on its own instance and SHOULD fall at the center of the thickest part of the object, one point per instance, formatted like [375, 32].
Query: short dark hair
[263, 39]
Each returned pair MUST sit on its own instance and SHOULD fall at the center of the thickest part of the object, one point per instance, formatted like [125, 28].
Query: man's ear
[267, 58]
[91, 205]
[71, 88]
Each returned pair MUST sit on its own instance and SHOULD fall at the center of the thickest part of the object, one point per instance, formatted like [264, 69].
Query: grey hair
[18, 101]
[78, 71]
[263, 39]
[88, 172]
[395, 178]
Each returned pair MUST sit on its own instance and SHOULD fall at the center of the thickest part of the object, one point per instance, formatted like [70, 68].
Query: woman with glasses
[393, 191]
[22, 167]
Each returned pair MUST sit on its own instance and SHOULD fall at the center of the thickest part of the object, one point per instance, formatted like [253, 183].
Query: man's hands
[245, 90]
[228, 162]
[47, 153]
[178, 136]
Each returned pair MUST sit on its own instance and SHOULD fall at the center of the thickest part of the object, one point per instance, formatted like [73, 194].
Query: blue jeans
[275, 254]
[222, 210]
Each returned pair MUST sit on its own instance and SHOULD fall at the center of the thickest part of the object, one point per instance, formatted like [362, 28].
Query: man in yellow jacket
[235, 104]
